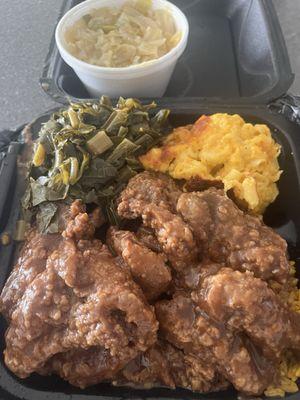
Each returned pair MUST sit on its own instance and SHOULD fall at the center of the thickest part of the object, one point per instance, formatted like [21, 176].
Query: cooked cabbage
[120, 37]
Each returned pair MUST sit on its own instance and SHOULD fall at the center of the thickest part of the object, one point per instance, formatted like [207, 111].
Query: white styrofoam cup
[148, 79]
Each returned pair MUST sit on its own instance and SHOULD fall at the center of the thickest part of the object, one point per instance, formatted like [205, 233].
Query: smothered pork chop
[192, 297]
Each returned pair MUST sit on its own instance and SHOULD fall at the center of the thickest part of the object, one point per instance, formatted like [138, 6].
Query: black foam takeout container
[236, 62]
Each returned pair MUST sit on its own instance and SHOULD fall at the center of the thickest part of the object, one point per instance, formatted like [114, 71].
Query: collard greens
[71, 161]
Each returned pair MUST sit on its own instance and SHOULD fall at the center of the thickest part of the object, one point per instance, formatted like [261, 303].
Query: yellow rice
[289, 367]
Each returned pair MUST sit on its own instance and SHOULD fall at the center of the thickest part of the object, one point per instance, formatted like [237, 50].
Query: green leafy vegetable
[74, 170]
[124, 149]
[98, 173]
[89, 151]
[117, 119]
[39, 155]
[20, 230]
[74, 120]
[99, 143]
[45, 215]
[26, 199]
[38, 192]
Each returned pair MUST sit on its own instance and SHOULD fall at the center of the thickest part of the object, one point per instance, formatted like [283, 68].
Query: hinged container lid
[236, 54]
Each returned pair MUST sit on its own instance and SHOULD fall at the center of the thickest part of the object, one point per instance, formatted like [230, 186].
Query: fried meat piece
[196, 212]
[229, 236]
[191, 372]
[149, 187]
[76, 310]
[148, 269]
[153, 197]
[82, 302]
[173, 234]
[86, 367]
[80, 225]
[67, 213]
[147, 370]
[31, 262]
[190, 278]
[165, 365]
[83, 367]
[148, 238]
[248, 305]
[184, 325]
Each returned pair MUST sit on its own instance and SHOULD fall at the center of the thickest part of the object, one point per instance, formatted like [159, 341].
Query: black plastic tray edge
[285, 72]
